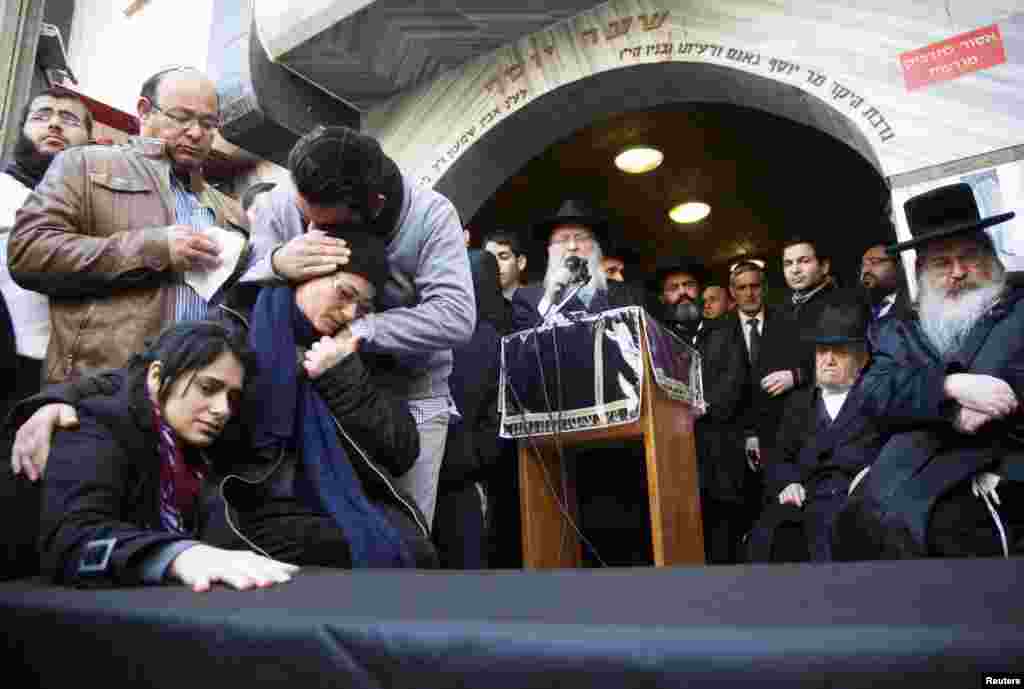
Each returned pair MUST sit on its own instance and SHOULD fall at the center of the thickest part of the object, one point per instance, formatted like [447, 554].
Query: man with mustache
[677, 282]
[110, 231]
[948, 384]
[50, 123]
[881, 276]
[574, 234]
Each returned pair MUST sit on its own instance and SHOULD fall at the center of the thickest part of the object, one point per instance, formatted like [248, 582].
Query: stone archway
[505, 148]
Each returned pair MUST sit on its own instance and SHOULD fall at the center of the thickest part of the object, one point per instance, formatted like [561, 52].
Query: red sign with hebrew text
[953, 57]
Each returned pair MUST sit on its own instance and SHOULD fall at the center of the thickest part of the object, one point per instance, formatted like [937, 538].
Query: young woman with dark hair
[121, 500]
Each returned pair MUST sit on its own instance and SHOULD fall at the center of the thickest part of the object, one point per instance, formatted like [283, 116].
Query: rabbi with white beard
[573, 237]
[948, 383]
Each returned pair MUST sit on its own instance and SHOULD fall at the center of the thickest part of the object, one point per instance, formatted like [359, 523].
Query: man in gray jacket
[342, 180]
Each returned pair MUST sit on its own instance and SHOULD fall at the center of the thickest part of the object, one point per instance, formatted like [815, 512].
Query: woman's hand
[328, 351]
[201, 566]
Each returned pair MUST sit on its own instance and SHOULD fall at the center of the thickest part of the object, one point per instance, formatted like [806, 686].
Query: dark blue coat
[926, 457]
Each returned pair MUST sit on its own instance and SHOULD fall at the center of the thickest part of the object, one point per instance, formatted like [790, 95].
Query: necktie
[755, 341]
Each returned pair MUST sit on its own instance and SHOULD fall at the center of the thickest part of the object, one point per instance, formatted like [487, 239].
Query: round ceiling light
[637, 160]
[692, 211]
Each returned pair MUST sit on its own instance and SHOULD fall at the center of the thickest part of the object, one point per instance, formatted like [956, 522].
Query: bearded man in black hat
[677, 282]
[574, 237]
[824, 443]
[948, 384]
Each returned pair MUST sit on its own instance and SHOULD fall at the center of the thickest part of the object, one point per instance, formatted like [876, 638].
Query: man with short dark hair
[111, 231]
[507, 248]
[342, 180]
[807, 270]
[948, 384]
[717, 301]
[50, 123]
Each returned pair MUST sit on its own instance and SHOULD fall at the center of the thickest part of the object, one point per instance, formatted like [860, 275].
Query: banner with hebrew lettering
[586, 371]
[583, 371]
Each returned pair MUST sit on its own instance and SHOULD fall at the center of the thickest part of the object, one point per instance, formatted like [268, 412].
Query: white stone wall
[112, 55]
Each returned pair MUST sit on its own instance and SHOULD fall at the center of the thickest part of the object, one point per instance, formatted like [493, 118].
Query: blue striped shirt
[189, 306]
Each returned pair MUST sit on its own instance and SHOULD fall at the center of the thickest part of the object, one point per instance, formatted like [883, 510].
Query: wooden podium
[666, 427]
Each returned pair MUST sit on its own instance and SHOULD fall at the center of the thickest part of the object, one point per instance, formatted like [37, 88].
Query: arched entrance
[779, 161]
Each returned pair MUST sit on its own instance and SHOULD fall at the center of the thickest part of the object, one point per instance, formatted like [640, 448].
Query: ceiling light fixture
[690, 212]
[637, 160]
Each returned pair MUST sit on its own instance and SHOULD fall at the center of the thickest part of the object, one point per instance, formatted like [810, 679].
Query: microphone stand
[554, 310]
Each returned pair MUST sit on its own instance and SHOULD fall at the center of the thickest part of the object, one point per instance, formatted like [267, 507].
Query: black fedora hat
[667, 265]
[944, 212]
[842, 321]
[574, 212]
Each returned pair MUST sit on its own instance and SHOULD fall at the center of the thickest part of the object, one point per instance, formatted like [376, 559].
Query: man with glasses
[948, 383]
[111, 231]
[51, 122]
[882, 277]
[574, 236]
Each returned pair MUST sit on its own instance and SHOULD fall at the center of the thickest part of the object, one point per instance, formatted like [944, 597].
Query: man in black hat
[948, 384]
[824, 442]
[574, 237]
[677, 282]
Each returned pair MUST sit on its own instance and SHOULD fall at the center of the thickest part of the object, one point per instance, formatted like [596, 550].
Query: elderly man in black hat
[574, 237]
[948, 384]
[824, 442]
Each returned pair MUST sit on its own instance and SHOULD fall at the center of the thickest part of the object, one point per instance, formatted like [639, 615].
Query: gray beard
[946, 321]
[598, 279]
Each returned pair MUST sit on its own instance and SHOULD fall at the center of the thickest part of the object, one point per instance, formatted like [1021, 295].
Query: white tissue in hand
[207, 282]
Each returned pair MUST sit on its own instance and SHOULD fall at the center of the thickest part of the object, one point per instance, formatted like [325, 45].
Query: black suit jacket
[821, 458]
[525, 300]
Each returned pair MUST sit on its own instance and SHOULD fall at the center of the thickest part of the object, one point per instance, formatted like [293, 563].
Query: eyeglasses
[349, 295]
[66, 117]
[185, 119]
[969, 260]
[576, 237]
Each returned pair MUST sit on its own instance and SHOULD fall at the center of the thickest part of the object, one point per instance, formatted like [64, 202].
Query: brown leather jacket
[93, 236]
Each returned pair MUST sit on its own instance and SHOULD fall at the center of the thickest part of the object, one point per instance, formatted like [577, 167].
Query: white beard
[947, 320]
[598, 279]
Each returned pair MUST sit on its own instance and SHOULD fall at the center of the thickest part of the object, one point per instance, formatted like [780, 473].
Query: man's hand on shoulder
[32, 441]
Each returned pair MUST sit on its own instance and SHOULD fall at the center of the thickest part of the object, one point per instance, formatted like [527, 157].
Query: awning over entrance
[365, 52]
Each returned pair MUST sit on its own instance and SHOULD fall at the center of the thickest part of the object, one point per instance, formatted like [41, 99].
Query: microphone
[579, 270]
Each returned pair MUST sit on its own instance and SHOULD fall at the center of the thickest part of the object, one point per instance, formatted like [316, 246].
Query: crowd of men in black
[333, 399]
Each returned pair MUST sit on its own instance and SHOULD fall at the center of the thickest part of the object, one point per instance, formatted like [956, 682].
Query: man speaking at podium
[574, 236]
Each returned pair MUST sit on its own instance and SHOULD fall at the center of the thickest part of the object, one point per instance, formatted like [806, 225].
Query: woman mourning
[121, 497]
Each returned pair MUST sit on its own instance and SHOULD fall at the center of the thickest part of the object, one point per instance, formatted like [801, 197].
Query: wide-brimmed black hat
[842, 321]
[667, 265]
[944, 212]
[576, 212]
